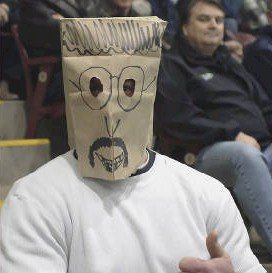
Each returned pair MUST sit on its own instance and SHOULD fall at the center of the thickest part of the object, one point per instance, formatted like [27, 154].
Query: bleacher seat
[36, 88]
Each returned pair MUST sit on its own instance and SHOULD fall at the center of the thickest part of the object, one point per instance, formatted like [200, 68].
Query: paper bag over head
[110, 68]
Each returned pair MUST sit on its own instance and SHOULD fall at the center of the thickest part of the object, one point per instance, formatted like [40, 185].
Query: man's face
[123, 4]
[205, 28]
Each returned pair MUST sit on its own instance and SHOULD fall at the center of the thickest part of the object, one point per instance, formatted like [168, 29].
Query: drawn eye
[130, 87]
[95, 86]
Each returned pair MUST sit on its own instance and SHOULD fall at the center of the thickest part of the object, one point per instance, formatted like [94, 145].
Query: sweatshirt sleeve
[177, 115]
[226, 220]
[31, 239]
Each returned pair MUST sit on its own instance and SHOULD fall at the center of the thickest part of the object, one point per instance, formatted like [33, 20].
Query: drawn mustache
[107, 142]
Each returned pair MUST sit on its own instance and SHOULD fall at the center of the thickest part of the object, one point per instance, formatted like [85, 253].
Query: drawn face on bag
[109, 103]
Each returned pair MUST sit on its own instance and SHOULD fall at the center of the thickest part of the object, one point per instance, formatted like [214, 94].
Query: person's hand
[236, 49]
[57, 16]
[219, 262]
[4, 13]
[242, 137]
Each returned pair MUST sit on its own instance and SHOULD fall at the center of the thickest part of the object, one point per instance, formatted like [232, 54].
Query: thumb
[191, 265]
[214, 248]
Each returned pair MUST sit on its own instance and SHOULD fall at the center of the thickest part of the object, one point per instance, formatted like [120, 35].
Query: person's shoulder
[174, 51]
[190, 178]
[63, 165]
[173, 61]
[52, 176]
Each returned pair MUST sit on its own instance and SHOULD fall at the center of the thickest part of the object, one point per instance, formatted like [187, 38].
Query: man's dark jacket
[203, 100]
[258, 59]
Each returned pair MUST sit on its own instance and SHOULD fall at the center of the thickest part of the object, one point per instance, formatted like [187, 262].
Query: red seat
[36, 89]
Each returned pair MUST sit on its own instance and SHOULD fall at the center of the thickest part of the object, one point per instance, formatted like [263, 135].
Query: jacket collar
[220, 58]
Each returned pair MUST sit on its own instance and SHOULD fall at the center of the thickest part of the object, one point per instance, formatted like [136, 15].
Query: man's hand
[4, 14]
[242, 137]
[236, 50]
[219, 263]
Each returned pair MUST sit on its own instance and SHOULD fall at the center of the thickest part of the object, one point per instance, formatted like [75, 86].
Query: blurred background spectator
[258, 59]
[11, 77]
[256, 18]
[249, 23]
[9, 13]
[117, 8]
[167, 10]
[254, 15]
[39, 31]
[232, 12]
[39, 26]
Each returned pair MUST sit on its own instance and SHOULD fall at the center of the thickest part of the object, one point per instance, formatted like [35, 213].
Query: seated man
[210, 113]
[110, 205]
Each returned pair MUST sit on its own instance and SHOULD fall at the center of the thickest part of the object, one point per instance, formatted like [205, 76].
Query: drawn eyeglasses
[95, 84]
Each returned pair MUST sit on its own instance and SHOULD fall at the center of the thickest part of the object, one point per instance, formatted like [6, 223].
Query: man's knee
[222, 160]
[230, 149]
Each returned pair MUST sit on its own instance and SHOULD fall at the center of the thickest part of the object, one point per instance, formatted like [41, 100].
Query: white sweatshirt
[54, 221]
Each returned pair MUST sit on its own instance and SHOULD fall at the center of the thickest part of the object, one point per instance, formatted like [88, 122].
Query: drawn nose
[111, 129]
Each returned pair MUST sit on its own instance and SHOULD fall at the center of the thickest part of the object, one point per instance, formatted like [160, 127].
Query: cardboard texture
[110, 68]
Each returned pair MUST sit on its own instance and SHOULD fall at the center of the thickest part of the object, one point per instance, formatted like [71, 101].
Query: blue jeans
[247, 172]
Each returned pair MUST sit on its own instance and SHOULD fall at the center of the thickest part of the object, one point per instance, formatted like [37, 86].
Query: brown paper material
[110, 68]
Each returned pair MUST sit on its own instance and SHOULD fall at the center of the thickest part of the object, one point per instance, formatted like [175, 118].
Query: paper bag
[110, 68]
